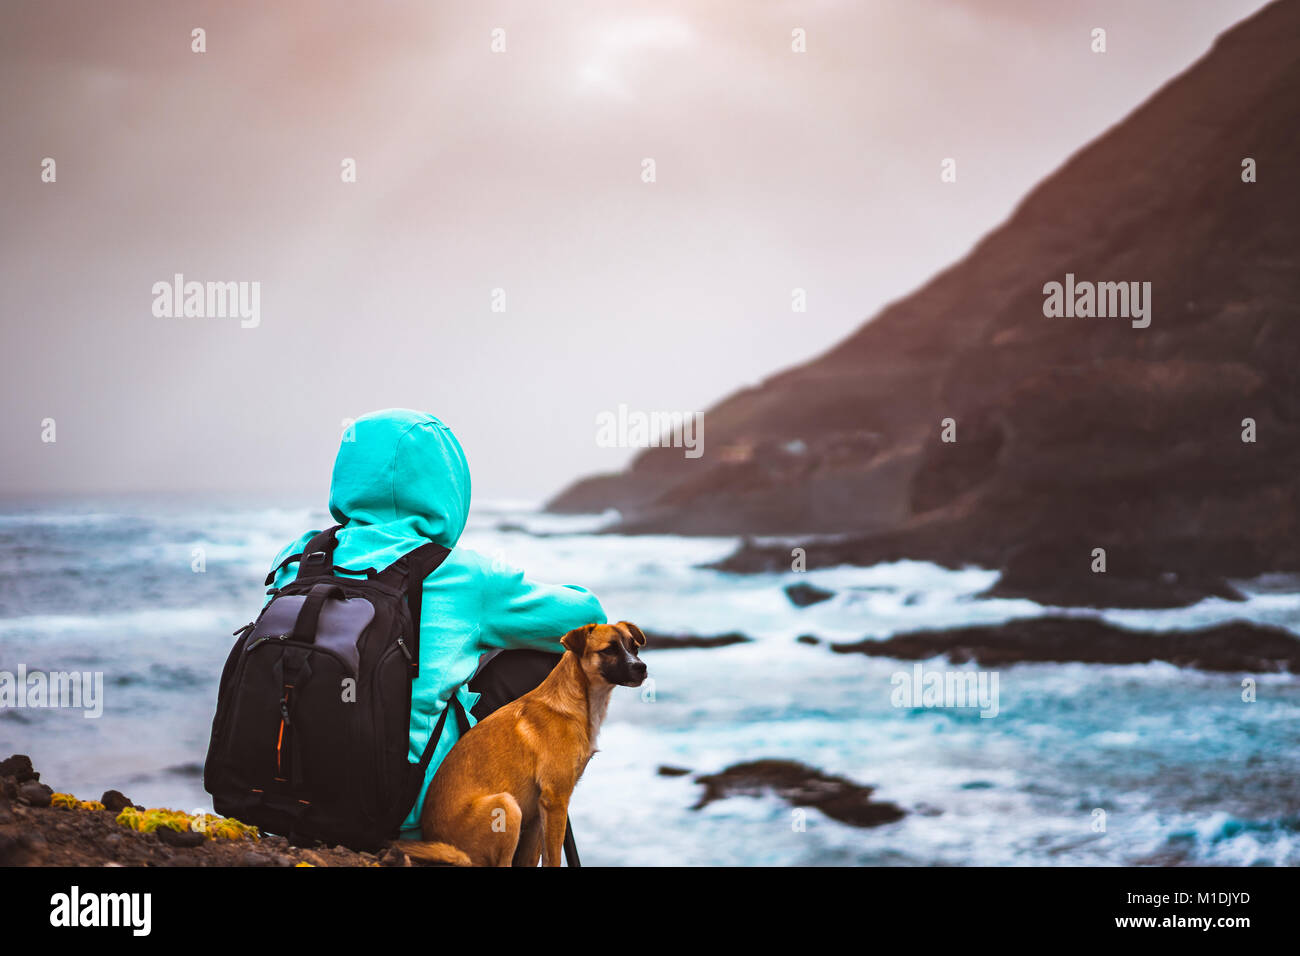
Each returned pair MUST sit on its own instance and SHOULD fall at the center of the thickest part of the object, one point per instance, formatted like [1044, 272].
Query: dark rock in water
[668, 771]
[115, 801]
[35, 794]
[808, 639]
[19, 767]
[1055, 567]
[804, 595]
[1237, 646]
[187, 769]
[1067, 427]
[801, 786]
[188, 838]
[668, 642]
[1059, 571]
[750, 557]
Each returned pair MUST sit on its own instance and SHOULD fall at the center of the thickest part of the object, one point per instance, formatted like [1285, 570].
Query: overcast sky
[476, 170]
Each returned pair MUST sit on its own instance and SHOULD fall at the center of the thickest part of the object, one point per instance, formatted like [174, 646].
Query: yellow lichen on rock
[147, 821]
[212, 826]
[227, 828]
[66, 801]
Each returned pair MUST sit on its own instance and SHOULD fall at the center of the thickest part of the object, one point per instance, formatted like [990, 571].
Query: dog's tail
[443, 853]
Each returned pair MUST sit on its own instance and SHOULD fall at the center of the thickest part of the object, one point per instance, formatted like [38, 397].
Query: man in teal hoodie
[400, 481]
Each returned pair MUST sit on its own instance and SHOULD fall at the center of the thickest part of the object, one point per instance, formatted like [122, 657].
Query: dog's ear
[637, 637]
[576, 640]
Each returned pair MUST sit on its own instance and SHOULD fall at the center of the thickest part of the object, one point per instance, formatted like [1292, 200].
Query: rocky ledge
[39, 827]
[669, 642]
[1236, 646]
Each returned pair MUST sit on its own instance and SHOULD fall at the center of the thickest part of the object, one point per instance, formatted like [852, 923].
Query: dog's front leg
[554, 811]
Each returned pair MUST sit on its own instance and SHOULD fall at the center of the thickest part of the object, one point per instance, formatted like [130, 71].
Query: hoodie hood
[400, 480]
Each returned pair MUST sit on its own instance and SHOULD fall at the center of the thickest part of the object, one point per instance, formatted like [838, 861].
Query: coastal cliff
[1068, 433]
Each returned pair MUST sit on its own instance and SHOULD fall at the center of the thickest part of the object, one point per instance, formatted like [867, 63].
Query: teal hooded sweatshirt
[400, 481]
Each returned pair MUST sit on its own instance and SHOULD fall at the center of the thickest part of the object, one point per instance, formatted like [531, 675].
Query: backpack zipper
[263, 640]
[279, 742]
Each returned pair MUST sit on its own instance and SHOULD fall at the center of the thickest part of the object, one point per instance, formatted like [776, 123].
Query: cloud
[479, 171]
[609, 54]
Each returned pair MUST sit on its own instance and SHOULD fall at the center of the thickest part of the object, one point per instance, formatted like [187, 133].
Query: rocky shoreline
[1237, 646]
[668, 642]
[39, 827]
[1234, 647]
[1056, 571]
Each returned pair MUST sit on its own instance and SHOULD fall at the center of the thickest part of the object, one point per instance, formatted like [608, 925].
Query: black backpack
[312, 729]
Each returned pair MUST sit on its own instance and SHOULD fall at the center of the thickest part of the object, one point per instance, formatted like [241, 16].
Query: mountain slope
[1068, 429]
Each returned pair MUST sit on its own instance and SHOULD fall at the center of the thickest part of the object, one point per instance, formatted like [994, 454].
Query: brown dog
[501, 796]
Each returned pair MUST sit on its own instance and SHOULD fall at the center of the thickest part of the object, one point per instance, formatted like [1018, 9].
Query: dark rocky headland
[1071, 433]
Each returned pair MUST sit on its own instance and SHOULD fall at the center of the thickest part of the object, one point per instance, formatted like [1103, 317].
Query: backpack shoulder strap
[407, 574]
[318, 554]
[462, 723]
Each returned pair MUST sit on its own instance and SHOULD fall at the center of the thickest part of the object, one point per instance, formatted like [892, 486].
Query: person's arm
[519, 613]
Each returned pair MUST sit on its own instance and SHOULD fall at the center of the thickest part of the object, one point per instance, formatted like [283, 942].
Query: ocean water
[1183, 770]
